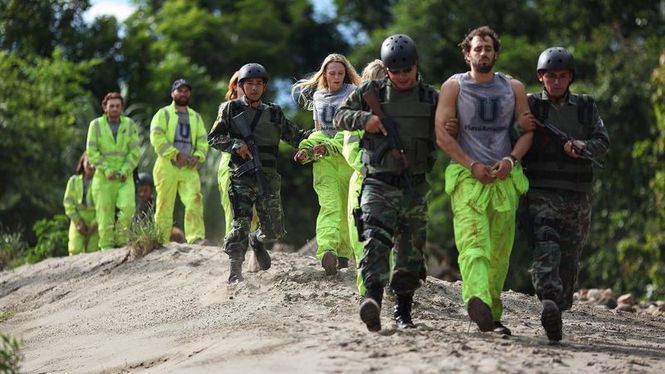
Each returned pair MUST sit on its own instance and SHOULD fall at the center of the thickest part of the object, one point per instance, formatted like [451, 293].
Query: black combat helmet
[252, 70]
[145, 179]
[556, 58]
[398, 52]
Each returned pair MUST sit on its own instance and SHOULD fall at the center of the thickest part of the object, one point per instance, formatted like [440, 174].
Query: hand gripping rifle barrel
[564, 138]
[240, 125]
[395, 143]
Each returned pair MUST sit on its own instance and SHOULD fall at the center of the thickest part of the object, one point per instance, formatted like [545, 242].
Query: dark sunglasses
[398, 71]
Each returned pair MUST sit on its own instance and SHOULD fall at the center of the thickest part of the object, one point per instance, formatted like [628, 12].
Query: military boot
[235, 274]
[262, 255]
[402, 312]
[550, 318]
[370, 309]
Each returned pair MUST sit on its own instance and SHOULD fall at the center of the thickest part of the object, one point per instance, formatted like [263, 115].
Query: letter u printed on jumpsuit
[171, 179]
[80, 208]
[109, 155]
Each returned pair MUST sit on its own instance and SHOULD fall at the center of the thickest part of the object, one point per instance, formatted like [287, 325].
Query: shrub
[10, 354]
[11, 247]
[51, 238]
[144, 236]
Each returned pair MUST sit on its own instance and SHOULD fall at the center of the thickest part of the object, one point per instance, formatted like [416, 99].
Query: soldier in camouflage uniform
[268, 126]
[394, 209]
[559, 199]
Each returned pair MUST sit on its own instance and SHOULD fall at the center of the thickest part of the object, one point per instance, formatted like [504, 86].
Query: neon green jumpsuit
[119, 156]
[224, 183]
[79, 209]
[171, 180]
[484, 223]
[352, 153]
[331, 176]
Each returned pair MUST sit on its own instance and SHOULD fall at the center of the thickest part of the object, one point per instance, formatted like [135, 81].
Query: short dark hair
[481, 31]
[110, 96]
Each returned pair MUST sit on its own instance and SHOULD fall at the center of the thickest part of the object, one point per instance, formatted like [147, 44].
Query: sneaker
[480, 313]
[499, 328]
[329, 263]
[370, 313]
[262, 255]
[342, 262]
[550, 318]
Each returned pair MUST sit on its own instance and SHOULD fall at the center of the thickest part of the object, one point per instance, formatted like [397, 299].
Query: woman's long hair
[304, 89]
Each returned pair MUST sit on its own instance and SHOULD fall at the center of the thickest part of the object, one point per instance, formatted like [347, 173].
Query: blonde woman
[375, 70]
[322, 93]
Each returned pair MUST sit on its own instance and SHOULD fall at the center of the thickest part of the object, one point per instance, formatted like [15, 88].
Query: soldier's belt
[396, 180]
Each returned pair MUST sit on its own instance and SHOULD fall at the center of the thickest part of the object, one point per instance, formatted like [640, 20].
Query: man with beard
[484, 179]
[255, 183]
[179, 137]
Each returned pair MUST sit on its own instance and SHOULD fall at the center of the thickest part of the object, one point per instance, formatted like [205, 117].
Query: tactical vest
[266, 132]
[547, 165]
[414, 116]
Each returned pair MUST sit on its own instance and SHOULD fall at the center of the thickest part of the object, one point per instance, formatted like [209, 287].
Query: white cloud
[121, 9]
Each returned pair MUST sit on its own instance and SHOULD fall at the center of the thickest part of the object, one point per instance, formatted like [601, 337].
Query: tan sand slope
[172, 311]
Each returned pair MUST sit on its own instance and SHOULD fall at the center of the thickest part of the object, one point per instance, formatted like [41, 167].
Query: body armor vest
[414, 114]
[266, 133]
[547, 165]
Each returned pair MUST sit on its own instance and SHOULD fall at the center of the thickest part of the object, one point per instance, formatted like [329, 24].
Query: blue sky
[121, 9]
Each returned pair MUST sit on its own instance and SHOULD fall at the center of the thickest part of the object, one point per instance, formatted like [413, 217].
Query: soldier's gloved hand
[243, 151]
[180, 160]
[527, 122]
[113, 176]
[482, 172]
[193, 161]
[452, 126]
[375, 126]
[501, 169]
[570, 151]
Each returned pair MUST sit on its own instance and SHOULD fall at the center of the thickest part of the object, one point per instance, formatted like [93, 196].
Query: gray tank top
[325, 105]
[485, 112]
[183, 135]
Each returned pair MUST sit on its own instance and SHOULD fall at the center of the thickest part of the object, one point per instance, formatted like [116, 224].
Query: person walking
[250, 130]
[330, 85]
[560, 178]
[484, 179]
[392, 202]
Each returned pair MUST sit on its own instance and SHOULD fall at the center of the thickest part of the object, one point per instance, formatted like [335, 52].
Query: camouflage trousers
[244, 195]
[559, 226]
[393, 217]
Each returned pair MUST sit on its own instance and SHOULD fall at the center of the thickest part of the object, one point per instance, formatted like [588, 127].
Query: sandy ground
[172, 311]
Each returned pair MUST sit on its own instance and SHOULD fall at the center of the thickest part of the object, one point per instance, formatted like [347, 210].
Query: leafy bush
[144, 236]
[10, 354]
[11, 247]
[51, 238]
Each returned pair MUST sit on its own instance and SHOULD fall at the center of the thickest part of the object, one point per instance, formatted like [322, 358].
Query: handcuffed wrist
[471, 165]
[509, 159]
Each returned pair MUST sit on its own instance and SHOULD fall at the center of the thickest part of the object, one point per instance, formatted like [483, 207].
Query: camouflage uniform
[391, 213]
[559, 199]
[244, 194]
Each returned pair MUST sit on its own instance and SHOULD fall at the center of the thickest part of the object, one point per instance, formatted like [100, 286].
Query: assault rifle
[241, 125]
[583, 152]
[394, 144]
